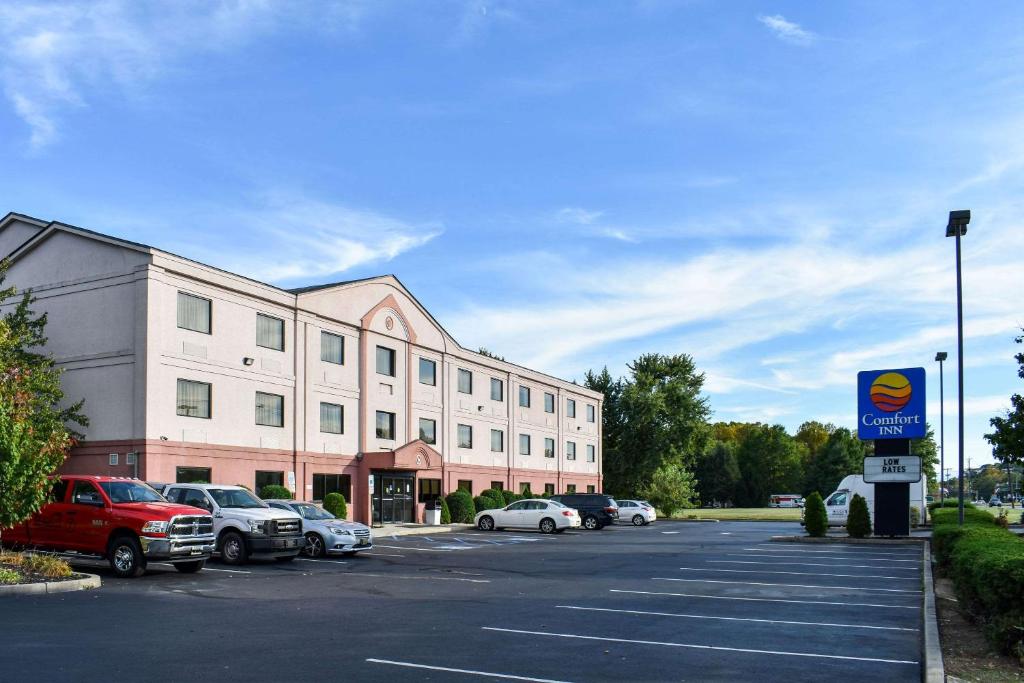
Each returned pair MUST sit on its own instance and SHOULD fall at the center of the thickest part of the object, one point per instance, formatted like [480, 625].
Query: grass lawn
[756, 514]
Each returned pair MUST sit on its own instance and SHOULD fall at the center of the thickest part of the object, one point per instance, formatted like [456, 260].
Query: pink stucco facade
[114, 330]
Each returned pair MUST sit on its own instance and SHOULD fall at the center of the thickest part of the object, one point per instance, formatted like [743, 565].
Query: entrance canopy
[415, 455]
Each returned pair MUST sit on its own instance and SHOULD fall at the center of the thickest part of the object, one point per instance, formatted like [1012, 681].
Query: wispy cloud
[787, 31]
[577, 215]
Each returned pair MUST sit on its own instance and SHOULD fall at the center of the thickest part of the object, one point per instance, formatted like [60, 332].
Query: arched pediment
[388, 318]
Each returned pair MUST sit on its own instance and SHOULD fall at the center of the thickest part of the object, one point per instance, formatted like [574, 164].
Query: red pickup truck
[120, 519]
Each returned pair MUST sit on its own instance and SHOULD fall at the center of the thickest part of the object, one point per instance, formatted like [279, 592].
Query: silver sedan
[325, 533]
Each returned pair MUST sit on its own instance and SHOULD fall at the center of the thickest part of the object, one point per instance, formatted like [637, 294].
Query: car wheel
[314, 545]
[125, 556]
[547, 525]
[189, 567]
[232, 548]
[638, 520]
[590, 523]
[486, 523]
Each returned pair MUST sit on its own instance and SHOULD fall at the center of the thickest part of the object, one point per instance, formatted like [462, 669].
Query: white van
[837, 505]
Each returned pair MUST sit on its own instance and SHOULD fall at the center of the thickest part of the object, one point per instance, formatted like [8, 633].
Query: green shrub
[950, 503]
[460, 503]
[495, 494]
[509, 496]
[274, 491]
[336, 505]
[815, 517]
[858, 522]
[446, 514]
[915, 516]
[48, 566]
[482, 502]
[9, 576]
[986, 564]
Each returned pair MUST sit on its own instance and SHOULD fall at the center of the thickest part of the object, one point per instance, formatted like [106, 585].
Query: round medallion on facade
[389, 322]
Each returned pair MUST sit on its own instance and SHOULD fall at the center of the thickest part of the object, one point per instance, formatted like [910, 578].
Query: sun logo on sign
[890, 392]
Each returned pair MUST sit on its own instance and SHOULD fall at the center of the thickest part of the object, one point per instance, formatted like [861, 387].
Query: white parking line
[670, 532]
[702, 647]
[304, 559]
[788, 585]
[469, 672]
[734, 597]
[417, 578]
[764, 571]
[853, 549]
[781, 555]
[762, 621]
[229, 571]
[376, 554]
[422, 550]
[844, 553]
[776, 563]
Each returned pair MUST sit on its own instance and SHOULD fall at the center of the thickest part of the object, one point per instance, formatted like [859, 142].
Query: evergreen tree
[858, 522]
[815, 516]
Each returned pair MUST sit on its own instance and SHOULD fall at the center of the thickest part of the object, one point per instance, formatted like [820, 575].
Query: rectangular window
[332, 483]
[497, 441]
[332, 418]
[524, 488]
[524, 397]
[571, 488]
[430, 490]
[591, 488]
[549, 489]
[466, 485]
[497, 389]
[194, 313]
[385, 425]
[591, 413]
[570, 408]
[269, 409]
[591, 454]
[193, 399]
[549, 403]
[192, 475]
[428, 430]
[570, 450]
[428, 372]
[332, 348]
[549, 448]
[385, 361]
[267, 479]
[465, 436]
[465, 381]
[524, 444]
[269, 332]
[497, 486]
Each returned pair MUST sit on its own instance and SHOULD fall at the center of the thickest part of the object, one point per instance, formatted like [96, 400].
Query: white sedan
[639, 512]
[547, 515]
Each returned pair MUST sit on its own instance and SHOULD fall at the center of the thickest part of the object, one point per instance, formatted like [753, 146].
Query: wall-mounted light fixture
[248, 361]
[163, 438]
[359, 457]
[480, 408]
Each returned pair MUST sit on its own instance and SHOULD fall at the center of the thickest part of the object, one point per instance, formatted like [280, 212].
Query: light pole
[957, 227]
[941, 356]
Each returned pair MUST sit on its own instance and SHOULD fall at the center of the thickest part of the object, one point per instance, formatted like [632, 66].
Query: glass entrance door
[393, 498]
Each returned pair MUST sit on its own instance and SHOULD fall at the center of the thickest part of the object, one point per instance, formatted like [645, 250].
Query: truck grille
[184, 526]
[286, 527]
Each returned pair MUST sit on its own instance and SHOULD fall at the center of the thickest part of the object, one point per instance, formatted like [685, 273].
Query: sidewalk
[416, 529]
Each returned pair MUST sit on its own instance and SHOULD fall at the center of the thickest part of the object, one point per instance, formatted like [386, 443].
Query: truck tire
[232, 548]
[125, 556]
[189, 567]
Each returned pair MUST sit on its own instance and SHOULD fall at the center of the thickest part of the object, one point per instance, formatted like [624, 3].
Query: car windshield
[130, 492]
[313, 512]
[236, 498]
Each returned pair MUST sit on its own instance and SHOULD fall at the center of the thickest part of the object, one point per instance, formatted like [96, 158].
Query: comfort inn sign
[891, 404]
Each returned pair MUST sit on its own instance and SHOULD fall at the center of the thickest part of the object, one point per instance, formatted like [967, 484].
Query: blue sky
[763, 185]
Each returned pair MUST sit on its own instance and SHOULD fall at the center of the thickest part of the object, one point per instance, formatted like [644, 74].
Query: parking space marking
[762, 621]
[694, 646]
[816, 564]
[670, 532]
[416, 578]
[422, 550]
[789, 585]
[374, 554]
[229, 571]
[468, 672]
[910, 551]
[843, 553]
[862, 557]
[765, 571]
[304, 559]
[745, 599]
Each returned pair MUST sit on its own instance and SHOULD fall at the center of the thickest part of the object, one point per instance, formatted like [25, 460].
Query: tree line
[659, 443]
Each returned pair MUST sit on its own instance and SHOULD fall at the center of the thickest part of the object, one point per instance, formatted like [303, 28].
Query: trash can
[432, 513]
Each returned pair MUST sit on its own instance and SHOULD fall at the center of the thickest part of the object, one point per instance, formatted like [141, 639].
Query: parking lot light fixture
[957, 228]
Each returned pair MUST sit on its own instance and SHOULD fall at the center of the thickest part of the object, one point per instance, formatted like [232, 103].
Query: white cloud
[787, 31]
[577, 215]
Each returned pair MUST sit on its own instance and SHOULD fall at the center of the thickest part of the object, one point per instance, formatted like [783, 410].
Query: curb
[931, 649]
[847, 540]
[419, 530]
[88, 581]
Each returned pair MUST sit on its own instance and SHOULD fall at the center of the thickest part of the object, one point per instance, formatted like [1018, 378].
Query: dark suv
[596, 509]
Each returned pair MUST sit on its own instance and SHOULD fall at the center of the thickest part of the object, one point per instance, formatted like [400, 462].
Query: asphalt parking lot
[673, 601]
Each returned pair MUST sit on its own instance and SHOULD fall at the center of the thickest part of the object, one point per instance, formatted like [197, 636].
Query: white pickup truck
[243, 524]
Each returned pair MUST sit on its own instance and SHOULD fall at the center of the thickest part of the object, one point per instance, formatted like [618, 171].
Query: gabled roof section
[55, 226]
[328, 285]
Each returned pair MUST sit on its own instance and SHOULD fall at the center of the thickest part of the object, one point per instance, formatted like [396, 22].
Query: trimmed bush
[446, 514]
[986, 564]
[336, 505]
[481, 503]
[272, 491]
[815, 517]
[950, 503]
[858, 522]
[460, 503]
[497, 495]
[509, 496]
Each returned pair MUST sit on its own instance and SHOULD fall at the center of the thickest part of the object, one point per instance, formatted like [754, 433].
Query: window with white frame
[269, 410]
[194, 313]
[332, 348]
[193, 399]
[269, 332]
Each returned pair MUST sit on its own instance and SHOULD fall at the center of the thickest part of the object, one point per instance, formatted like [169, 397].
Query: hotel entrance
[392, 497]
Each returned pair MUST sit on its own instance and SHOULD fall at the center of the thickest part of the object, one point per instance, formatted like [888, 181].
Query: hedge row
[986, 564]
